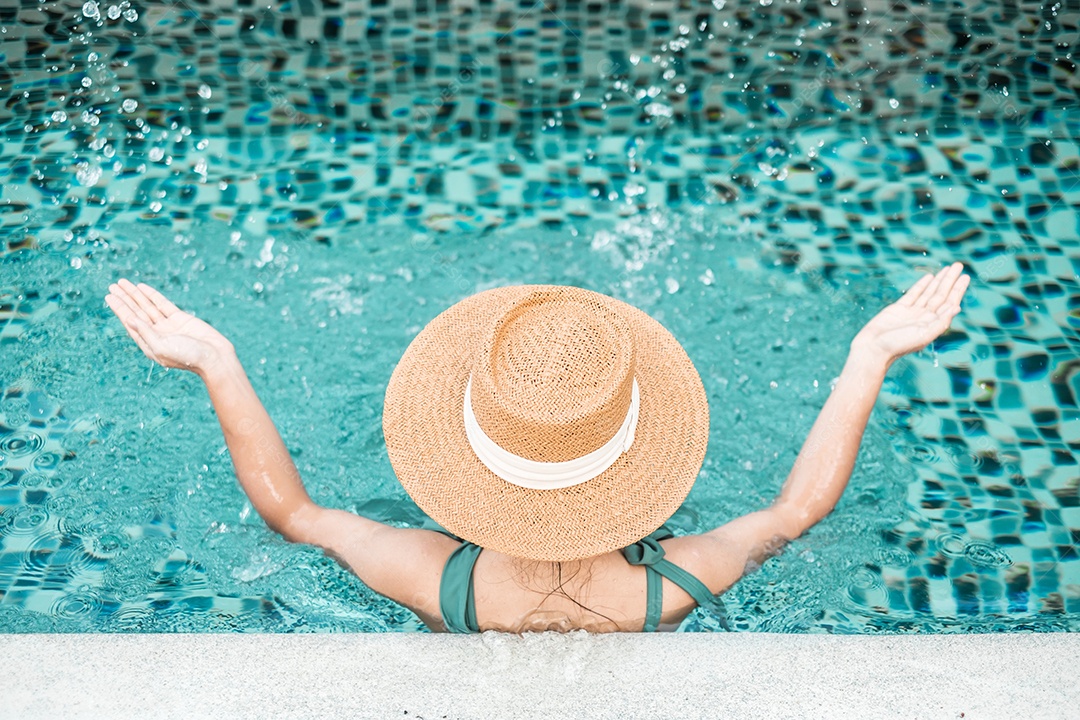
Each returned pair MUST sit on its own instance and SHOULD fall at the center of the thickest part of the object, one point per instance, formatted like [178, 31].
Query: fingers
[939, 287]
[957, 292]
[928, 293]
[119, 305]
[916, 290]
[151, 311]
[948, 276]
[124, 300]
[946, 301]
[131, 322]
[137, 335]
[160, 301]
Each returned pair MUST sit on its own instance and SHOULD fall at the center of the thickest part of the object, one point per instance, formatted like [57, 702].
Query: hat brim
[425, 438]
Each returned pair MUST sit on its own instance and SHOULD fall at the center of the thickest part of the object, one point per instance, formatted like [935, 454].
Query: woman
[556, 429]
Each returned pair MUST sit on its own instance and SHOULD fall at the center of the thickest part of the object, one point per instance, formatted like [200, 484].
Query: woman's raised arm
[177, 339]
[824, 464]
[401, 563]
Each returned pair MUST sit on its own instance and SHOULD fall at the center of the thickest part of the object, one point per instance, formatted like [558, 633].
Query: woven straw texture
[552, 370]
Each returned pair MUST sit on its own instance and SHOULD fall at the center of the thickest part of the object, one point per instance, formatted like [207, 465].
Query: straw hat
[585, 428]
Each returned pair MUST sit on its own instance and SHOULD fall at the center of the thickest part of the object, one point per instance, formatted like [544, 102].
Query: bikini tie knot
[646, 551]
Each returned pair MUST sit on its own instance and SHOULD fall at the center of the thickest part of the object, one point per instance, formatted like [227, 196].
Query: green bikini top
[458, 607]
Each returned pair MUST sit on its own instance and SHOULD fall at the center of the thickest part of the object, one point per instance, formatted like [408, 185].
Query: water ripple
[86, 521]
[132, 618]
[22, 442]
[60, 505]
[923, 454]
[77, 606]
[986, 554]
[56, 557]
[867, 589]
[105, 546]
[35, 560]
[22, 519]
[133, 571]
[41, 481]
[963, 460]
[894, 556]
[977, 552]
[46, 461]
[902, 418]
[951, 544]
[76, 442]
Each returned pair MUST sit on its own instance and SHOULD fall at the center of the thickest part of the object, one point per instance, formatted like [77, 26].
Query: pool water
[318, 184]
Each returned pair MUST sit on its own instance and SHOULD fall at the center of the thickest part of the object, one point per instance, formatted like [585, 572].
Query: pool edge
[548, 675]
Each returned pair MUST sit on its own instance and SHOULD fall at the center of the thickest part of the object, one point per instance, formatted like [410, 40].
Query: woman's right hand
[916, 319]
[169, 336]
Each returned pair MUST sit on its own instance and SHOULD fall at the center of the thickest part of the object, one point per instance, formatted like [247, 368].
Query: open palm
[169, 336]
[921, 315]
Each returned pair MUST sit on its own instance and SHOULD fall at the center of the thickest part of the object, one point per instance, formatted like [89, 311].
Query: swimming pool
[760, 177]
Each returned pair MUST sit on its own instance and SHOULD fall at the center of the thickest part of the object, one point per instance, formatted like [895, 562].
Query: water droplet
[90, 9]
[87, 82]
[129, 105]
[156, 154]
[672, 286]
[88, 174]
[58, 116]
[266, 254]
[204, 91]
[113, 12]
[894, 103]
[131, 15]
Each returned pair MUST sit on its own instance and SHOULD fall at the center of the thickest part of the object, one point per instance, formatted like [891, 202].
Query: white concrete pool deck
[741, 675]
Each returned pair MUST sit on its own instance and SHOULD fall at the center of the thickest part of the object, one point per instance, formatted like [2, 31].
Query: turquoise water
[761, 178]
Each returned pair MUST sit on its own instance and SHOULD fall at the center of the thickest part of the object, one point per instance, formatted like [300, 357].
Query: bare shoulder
[720, 557]
[404, 564]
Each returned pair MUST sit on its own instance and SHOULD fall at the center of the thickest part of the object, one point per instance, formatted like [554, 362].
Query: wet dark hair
[556, 585]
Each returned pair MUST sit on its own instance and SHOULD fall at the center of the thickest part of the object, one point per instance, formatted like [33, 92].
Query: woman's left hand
[168, 335]
[916, 319]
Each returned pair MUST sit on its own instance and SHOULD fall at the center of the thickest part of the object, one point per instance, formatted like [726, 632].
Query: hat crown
[554, 379]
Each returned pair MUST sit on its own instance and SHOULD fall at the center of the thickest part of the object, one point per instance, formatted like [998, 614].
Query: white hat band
[549, 475]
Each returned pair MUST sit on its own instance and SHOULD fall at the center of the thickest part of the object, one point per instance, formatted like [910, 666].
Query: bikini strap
[457, 604]
[649, 553]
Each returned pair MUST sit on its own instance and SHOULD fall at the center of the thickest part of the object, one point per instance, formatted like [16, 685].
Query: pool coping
[410, 676]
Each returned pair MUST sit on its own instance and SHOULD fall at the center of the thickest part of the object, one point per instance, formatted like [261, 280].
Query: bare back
[600, 594]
